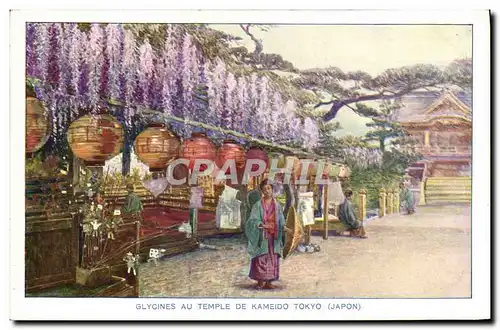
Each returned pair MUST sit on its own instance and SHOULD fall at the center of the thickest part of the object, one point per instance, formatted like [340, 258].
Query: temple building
[441, 125]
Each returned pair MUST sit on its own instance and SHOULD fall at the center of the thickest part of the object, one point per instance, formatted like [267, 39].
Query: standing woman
[406, 197]
[265, 231]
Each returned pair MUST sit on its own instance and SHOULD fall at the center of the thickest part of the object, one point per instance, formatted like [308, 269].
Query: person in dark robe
[406, 198]
[133, 205]
[348, 217]
[264, 230]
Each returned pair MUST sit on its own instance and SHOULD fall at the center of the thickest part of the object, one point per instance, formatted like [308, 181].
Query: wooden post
[390, 201]
[194, 225]
[422, 193]
[243, 209]
[397, 202]
[427, 139]
[381, 203]
[137, 253]
[325, 211]
[308, 233]
[75, 171]
[362, 206]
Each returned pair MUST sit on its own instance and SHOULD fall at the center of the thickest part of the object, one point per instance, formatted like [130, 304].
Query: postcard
[250, 165]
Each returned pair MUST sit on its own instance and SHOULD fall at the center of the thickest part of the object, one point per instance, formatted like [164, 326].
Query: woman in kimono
[348, 217]
[133, 205]
[265, 230]
[406, 197]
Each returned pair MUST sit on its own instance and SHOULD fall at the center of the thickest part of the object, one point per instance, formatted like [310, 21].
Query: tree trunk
[382, 144]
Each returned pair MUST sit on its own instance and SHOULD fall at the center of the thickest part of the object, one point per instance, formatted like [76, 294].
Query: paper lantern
[327, 170]
[315, 166]
[95, 138]
[180, 172]
[37, 124]
[311, 167]
[279, 156]
[257, 153]
[156, 147]
[296, 164]
[198, 146]
[333, 170]
[230, 150]
[344, 172]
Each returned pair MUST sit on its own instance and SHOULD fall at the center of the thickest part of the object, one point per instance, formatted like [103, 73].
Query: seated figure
[348, 217]
[133, 205]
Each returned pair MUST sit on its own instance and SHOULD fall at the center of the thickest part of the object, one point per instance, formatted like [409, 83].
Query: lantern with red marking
[95, 138]
[198, 146]
[257, 153]
[37, 124]
[230, 150]
[156, 147]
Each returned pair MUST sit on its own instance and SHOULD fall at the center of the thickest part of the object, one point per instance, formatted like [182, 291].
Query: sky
[370, 48]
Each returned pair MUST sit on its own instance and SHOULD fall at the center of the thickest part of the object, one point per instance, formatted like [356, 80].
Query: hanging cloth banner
[335, 193]
[228, 212]
[156, 186]
[196, 200]
[306, 208]
[228, 194]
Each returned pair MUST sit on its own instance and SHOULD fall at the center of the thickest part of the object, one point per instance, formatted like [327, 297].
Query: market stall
[103, 92]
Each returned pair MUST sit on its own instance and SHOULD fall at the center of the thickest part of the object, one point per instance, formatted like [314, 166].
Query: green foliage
[387, 176]
[39, 166]
[334, 146]
[372, 179]
[383, 127]
[459, 73]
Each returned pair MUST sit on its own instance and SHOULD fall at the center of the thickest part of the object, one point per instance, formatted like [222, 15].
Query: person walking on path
[407, 200]
[264, 230]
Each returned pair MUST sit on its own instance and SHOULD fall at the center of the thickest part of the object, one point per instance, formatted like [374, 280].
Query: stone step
[445, 180]
[446, 201]
[448, 196]
[451, 198]
[451, 191]
[441, 185]
[427, 187]
[447, 184]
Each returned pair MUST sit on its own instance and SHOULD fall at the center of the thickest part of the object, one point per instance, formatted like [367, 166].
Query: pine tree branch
[259, 47]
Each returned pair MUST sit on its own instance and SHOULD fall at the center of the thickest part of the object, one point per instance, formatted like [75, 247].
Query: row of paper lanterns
[97, 138]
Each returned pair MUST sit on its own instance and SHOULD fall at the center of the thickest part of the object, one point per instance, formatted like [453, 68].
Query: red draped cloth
[266, 267]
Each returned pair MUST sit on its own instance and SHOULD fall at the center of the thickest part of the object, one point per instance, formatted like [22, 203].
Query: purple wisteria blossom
[113, 55]
[82, 70]
[96, 62]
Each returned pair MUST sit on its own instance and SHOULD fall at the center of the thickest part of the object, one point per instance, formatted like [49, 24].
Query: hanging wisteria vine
[81, 71]
[363, 157]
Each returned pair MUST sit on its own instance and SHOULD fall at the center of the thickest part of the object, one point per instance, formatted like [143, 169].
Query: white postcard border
[478, 307]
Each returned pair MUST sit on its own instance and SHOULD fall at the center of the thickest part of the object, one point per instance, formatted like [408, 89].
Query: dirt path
[423, 255]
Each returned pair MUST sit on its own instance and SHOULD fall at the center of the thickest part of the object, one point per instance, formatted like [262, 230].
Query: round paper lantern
[279, 156]
[327, 170]
[257, 153]
[37, 124]
[181, 172]
[198, 146]
[310, 163]
[156, 147]
[230, 150]
[296, 164]
[344, 172]
[95, 138]
[314, 167]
